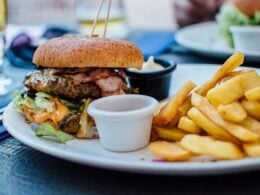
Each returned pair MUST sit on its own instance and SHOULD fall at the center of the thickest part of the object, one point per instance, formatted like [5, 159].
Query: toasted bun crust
[82, 51]
[248, 7]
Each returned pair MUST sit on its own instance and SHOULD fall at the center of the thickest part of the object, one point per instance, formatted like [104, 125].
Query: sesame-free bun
[83, 51]
[248, 7]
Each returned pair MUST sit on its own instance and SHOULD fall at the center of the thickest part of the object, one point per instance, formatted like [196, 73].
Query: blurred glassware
[86, 12]
[40, 12]
[5, 81]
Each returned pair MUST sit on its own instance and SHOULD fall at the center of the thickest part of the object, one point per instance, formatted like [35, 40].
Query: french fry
[171, 134]
[182, 111]
[252, 108]
[207, 145]
[251, 81]
[233, 74]
[161, 105]
[210, 127]
[230, 64]
[188, 125]
[168, 112]
[169, 151]
[252, 149]
[202, 104]
[251, 124]
[233, 89]
[217, 120]
[233, 112]
[253, 94]
[174, 122]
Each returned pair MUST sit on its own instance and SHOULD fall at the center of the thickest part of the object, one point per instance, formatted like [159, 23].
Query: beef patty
[85, 83]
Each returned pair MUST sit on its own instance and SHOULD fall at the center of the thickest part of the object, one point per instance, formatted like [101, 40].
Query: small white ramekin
[123, 121]
[246, 38]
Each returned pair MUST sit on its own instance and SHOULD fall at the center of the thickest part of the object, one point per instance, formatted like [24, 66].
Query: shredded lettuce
[20, 100]
[46, 129]
[17, 100]
[229, 16]
[39, 103]
[42, 101]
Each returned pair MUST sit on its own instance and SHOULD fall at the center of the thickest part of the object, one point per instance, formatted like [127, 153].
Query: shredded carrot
[60, 111]
[27, 113]
[41, 117]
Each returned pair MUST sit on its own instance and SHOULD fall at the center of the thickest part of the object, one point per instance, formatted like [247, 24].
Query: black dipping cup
[155, 83]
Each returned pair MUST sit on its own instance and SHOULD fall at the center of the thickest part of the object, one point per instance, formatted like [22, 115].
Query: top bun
[248, 7]
[83, 51]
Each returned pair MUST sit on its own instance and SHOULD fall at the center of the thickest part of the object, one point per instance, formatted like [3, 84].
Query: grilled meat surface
[77, 84]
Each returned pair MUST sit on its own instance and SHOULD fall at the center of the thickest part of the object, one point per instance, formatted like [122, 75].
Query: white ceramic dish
[92, 153]
[203, 38]
[124, 122]
[246, 38]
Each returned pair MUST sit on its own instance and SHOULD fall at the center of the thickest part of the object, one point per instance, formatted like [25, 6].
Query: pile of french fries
[220, 119]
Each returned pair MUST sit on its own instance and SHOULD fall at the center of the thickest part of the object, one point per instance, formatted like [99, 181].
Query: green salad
[230, 15]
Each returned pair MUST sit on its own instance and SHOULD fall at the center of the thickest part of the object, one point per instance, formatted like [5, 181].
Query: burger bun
[248, 7]
[83, 51]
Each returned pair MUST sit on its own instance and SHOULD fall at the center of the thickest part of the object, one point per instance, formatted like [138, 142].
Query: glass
[39, 12]
[86, 12]
[5, 81]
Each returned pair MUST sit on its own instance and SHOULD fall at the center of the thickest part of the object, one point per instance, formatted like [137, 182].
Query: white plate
[203, 38]
[91, 152]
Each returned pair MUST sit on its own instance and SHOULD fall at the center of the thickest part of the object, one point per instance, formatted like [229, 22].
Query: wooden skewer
[107, 18]
[96, 19]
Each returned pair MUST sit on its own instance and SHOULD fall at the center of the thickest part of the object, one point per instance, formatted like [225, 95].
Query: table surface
[24, 170]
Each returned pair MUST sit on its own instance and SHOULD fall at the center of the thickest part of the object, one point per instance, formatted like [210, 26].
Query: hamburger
[237, 13]
[72, 71]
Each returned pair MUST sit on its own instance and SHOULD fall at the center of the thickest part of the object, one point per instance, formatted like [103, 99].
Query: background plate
[90, 152]
[203, 38]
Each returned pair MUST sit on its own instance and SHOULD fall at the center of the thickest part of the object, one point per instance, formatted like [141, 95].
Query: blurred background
[149, 24]
[135, 14]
